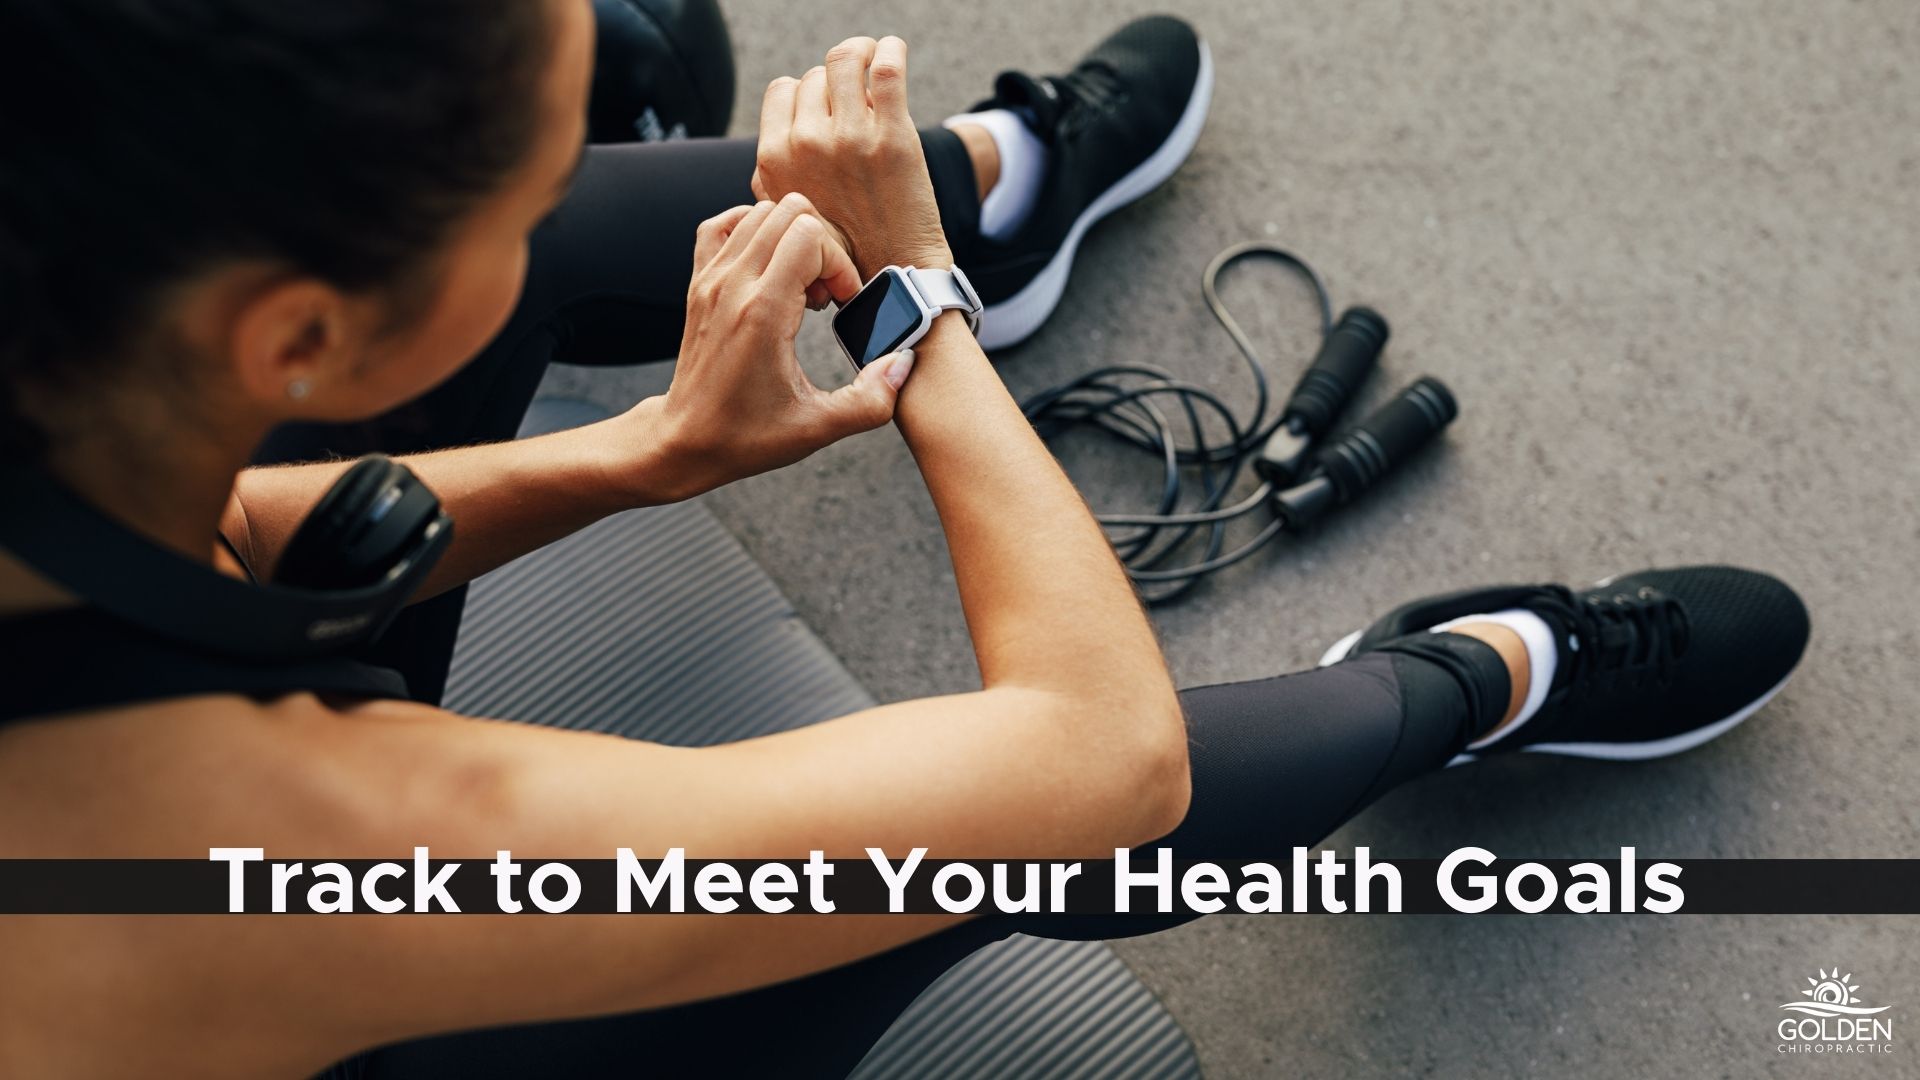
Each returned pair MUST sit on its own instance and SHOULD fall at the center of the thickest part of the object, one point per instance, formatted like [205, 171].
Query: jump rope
[1300, 478]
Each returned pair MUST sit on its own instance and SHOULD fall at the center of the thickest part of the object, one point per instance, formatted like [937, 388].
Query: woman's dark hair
[144, 140]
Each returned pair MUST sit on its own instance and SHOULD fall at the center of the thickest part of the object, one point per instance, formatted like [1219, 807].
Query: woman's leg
[1282, 762]
[606, 284]
[1277, 762]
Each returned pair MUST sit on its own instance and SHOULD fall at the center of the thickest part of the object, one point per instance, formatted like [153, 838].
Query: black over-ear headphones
[346, 572]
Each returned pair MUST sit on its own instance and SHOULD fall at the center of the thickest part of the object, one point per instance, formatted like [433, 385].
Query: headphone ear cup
[356, 560]
[311, 559]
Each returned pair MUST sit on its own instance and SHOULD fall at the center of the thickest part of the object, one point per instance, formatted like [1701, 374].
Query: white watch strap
[945, 290]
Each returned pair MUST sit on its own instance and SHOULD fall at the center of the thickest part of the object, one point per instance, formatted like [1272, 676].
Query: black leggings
[1277, 762]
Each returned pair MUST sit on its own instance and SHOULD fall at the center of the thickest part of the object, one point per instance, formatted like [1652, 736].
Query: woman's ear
[291, 341]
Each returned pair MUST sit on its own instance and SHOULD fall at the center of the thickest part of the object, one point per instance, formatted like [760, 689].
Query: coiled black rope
[1162, 548]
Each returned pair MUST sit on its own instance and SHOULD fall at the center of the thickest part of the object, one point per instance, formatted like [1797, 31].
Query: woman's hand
[739, 403]
[841, 136]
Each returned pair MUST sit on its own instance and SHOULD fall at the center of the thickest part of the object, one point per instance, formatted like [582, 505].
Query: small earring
[298, 389]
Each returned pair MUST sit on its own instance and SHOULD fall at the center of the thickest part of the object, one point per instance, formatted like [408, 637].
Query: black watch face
[875, 322]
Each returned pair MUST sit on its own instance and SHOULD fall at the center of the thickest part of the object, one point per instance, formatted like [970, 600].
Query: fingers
[785, 242]
[759, 250]
[713, 233]
[868, 401]
[776, 110]
[743, 232]
[887, 79]
[837, 271]
[810, 104]
[847, 75]
[807, 254]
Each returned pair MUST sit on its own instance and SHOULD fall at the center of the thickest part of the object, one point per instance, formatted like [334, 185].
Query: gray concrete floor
[1667, 255]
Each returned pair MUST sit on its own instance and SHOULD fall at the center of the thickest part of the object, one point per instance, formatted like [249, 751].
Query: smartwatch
[897, 307]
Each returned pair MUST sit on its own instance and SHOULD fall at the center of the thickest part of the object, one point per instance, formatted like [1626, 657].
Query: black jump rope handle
[1346, 358]
[1357, 460]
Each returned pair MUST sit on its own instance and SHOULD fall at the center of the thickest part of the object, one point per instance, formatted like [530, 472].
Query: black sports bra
[80, 658]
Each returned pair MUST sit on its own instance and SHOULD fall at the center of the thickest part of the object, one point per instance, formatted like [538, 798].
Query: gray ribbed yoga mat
[657, 625]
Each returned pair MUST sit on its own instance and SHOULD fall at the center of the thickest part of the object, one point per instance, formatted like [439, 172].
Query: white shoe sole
[1015, 319]
[1603, 751]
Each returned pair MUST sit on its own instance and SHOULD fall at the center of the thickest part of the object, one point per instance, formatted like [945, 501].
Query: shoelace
[1630, 635]
[1089, 90]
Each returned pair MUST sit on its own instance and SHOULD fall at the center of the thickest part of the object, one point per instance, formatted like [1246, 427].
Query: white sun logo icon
[1833, 994]
[1833, 988]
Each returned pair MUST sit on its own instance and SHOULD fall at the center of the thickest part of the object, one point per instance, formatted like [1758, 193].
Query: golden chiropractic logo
[1834, 1020]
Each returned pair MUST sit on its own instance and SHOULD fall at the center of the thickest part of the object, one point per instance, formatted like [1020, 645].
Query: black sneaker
[1117, 126]
[1650, 664]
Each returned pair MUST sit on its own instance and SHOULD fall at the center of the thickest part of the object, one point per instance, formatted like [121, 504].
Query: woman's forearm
[506, 499]
[1070, 665]
[1046, 602]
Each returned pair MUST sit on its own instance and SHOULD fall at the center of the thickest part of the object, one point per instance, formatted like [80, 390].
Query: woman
[235, 215]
